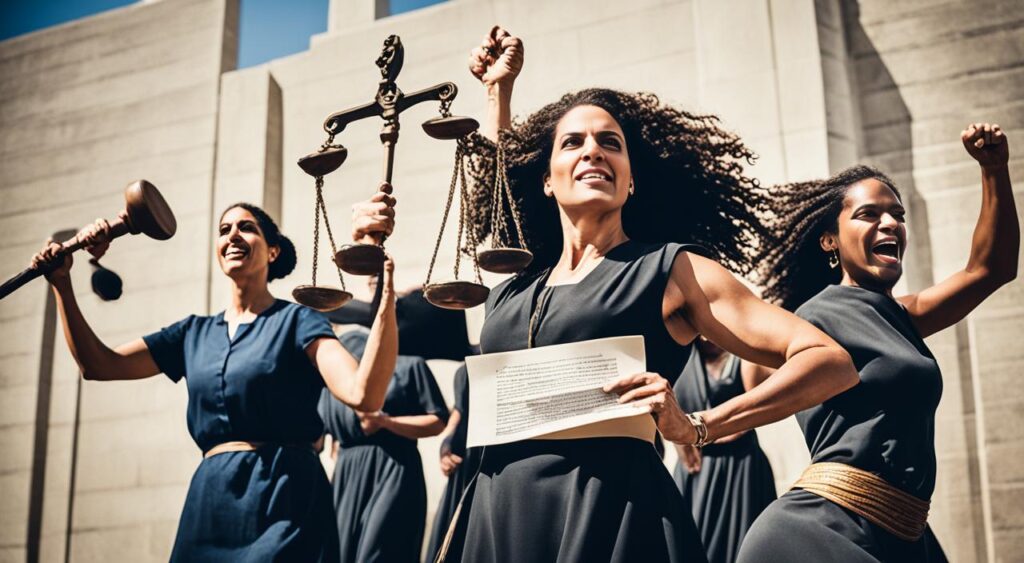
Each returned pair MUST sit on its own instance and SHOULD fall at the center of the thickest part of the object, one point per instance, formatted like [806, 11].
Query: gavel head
[147, 211]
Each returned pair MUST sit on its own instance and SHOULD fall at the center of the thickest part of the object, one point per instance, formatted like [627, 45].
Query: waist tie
[243, 446]
[868, 495]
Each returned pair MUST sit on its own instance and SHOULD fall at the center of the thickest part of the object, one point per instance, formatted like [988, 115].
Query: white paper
[555, 392]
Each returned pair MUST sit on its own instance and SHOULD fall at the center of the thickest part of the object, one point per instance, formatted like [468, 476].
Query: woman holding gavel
[254, 375]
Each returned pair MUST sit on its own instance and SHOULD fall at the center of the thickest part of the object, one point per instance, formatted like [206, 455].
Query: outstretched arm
[994, 248]
[95, 359]
[703, 297]
[811, 367]
[362, 385]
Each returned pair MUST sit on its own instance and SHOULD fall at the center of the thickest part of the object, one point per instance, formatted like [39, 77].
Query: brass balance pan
[456, 295]
[360, 259]
[450, 128]
[320, 164]
[321, 298]
[504, 260]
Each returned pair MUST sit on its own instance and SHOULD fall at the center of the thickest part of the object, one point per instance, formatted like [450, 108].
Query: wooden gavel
[146, 212]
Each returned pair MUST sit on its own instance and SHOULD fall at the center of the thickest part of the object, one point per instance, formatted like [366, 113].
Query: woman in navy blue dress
[836, 258]
[254, 373]
[380, 495]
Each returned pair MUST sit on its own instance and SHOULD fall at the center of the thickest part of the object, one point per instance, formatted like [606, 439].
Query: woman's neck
[589, 237]
[883, 288]
[248, 297]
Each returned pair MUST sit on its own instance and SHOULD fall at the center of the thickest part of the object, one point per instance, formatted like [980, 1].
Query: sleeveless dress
[463, 474]
[380, 496]
[594, 499]
[735, 481]
[272, 504]
[885, 425]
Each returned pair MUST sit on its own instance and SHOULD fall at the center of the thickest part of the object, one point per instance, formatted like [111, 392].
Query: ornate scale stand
[388, 104]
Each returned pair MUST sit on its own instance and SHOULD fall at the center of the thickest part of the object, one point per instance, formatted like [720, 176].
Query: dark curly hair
[687, 171]
[285, 262]
[792, 267]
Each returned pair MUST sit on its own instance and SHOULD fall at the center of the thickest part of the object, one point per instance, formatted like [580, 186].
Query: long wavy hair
[791, 266]
[688, 174]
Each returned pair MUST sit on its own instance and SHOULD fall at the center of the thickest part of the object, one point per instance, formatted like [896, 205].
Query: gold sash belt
[868, 495]
[242, 446]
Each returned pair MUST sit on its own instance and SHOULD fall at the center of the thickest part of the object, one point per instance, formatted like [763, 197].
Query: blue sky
[268, 28]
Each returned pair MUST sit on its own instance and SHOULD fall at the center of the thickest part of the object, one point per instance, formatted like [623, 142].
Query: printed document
[554, 392]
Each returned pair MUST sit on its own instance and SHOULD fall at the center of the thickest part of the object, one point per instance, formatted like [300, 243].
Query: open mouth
[887, 250]
[593, 175]
[235, 253]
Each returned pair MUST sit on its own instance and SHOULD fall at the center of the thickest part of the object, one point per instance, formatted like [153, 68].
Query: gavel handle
[117, 228]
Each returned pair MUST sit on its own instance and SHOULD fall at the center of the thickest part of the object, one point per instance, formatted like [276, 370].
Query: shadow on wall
[886, 141]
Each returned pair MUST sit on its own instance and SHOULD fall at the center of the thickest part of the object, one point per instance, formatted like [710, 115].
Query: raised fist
[498, 59]
[986, 143]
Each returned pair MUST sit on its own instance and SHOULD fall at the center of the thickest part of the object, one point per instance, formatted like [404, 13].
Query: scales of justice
[368, 259]
[147, 212]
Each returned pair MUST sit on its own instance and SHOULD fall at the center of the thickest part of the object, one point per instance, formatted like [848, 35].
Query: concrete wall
[923, 70]
[812, 86]
[84, 109]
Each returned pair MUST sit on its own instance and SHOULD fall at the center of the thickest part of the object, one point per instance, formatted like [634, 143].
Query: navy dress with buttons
[272, 504]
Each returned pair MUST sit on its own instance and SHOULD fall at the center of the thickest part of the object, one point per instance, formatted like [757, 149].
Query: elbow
[999, 275]
[845, 374]
[90, 375]
[367, 404]
[436, 428]
[1009, 275]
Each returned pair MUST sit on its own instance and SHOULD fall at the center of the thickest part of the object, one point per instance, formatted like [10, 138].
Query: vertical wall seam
[228, 61]
[778, 90]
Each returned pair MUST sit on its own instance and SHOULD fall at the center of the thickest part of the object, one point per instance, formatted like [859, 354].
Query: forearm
[996, 243]
[453, 422]
[808, 378]
[95, 359]
[379, 357]
[731, 437]
[416, 426]
[499, 110]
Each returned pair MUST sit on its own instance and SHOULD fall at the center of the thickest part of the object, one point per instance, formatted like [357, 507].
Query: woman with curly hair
[609, 186]
[254, 373]
[836, 255]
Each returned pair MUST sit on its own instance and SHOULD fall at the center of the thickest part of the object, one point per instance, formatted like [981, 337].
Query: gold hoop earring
[833, 261]
[632, 188]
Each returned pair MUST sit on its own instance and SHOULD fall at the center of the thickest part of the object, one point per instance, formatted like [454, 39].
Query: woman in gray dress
[836, 258]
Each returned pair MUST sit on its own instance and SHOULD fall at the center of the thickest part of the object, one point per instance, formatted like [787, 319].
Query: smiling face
[242, 250]
[872, 236]
[589, 165]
